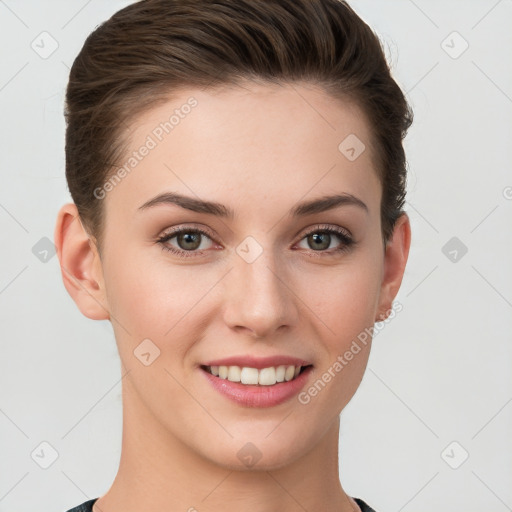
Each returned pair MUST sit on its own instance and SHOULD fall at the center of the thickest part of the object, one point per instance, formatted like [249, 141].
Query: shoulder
[87, 506]
[363, 506]
[84, 507]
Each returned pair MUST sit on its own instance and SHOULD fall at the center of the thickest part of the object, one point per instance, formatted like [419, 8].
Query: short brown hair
[150, 48]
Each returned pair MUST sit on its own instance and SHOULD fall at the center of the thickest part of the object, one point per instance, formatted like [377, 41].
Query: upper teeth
[265, 376]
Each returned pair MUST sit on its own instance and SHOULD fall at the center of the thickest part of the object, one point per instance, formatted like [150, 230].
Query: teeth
[267, 376]
[290, 372]
[252, 376]
[280, 371]
[248, 376]
[234, 373]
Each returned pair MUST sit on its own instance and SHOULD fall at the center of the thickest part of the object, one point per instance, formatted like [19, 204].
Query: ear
[395, 259]
[80, 264]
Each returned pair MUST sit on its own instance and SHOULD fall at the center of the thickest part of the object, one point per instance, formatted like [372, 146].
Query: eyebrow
[311, 207]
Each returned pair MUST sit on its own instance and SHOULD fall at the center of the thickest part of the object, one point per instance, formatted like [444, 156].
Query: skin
[258, 149]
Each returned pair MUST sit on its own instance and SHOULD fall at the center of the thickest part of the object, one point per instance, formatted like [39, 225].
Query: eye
[188, 240]
[321, 237]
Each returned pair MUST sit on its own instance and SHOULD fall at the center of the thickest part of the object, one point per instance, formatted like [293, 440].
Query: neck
[157, 472]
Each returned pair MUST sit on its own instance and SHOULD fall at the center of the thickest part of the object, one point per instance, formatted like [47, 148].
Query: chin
[259, 454]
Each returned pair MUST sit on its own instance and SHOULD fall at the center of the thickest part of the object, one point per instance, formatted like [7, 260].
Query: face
[255, 276]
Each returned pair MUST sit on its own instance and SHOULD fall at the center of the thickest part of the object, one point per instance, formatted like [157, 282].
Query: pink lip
[258, 396]
[258, 362]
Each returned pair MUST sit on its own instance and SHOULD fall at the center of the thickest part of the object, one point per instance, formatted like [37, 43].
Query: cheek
[343, 306]
[155, 300]
[343, 299]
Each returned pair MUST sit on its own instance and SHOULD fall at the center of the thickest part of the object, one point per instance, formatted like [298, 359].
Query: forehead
[241, 145]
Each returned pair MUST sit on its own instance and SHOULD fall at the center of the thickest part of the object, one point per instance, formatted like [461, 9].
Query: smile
[267, 386]
[253, 376]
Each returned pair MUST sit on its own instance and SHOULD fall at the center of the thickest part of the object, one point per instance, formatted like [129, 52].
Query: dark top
[87, 506]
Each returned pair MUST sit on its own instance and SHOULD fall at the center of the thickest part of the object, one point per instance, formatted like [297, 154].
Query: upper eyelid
[181, 228]
[321, 227]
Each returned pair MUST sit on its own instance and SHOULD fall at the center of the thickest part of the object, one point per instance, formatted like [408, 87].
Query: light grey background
[439, 372]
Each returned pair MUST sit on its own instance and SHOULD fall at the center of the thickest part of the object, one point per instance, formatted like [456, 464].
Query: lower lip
[258, 396]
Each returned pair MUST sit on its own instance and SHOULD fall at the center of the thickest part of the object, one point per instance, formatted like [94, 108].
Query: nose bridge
[260, 301]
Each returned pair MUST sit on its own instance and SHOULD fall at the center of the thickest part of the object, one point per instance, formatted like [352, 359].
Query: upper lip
[258, 362]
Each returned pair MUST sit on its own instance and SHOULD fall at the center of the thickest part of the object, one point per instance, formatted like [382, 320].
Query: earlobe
[395, 260]
[80, 264]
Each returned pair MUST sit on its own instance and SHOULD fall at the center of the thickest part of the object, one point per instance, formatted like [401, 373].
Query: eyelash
[347, 241]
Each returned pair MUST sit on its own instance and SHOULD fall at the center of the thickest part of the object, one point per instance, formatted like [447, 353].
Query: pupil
[188, 238]
[317, 238]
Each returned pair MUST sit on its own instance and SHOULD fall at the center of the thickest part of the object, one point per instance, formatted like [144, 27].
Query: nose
[259, 299]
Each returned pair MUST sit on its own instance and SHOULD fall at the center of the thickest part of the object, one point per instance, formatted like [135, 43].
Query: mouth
[269, 376]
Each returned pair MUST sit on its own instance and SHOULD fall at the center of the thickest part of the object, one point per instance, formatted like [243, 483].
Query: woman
[238, 178]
